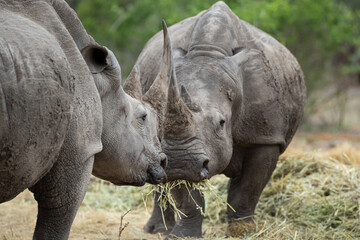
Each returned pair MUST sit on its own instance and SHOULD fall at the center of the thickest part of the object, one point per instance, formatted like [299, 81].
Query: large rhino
[65, 115]
[235, 100]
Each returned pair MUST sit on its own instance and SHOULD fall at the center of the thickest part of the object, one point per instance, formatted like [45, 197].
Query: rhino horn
[132, 84]
[178, 117]
[157, 93]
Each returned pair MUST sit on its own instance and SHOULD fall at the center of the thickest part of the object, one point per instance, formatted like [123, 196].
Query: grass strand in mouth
[166, 198]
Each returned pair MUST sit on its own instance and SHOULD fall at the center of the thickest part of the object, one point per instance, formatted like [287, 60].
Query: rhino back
[84, 136]
[37, 89]
[59, 20]
[46, 42]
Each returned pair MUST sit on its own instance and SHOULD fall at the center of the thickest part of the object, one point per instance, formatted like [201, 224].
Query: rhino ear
[179, 52]
[132, 84]
[97, 58]
[188, 101]
[241, 56]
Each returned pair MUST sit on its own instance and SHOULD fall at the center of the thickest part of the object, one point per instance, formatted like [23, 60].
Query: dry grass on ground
[313, 194]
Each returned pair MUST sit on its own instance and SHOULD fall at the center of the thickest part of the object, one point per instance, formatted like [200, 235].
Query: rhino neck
[212, 29]
[206, 50]
[73, 24]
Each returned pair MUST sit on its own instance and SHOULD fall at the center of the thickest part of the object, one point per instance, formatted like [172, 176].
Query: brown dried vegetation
[313, 194]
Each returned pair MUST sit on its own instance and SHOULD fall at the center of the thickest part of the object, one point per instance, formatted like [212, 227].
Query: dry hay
[208, 190]
[345, 153]
[312, 195]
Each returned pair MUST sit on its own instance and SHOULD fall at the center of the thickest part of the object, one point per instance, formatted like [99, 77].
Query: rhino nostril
[205, 169]
[206, 164]
[163, 161]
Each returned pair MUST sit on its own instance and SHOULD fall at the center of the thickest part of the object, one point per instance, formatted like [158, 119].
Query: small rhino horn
[132, 84]
[178, 116]
[175, 104]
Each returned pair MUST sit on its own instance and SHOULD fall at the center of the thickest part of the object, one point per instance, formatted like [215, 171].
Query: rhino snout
[156, 175]
[194, 170]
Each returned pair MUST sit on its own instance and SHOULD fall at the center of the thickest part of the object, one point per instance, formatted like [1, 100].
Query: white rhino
[64, 114]
[240, 102]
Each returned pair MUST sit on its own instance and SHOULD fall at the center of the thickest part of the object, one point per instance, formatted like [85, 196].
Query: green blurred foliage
[323, 34]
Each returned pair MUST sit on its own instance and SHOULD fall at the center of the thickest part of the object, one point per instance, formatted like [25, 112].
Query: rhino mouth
[138, 183]
[189, 171]
[153, 177]
[155, 172]
[187, 160]
[156, 175]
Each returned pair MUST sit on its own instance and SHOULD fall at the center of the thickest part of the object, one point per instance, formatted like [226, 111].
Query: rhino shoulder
[273, 98]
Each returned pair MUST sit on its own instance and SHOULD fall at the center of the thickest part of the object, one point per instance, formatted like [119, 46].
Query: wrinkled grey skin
[62, 106]
[237, 102]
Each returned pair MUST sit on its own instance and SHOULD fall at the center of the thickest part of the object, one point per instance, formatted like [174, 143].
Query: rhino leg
[156, 223]
[189, 226]
[59, 195]
[245, 189]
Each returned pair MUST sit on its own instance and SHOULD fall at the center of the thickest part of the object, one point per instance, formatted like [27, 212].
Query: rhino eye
[222, 122]
[143, 117]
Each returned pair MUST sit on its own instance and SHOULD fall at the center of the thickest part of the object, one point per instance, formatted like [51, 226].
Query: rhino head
[204, 87]
[154, 101]
[131, 152]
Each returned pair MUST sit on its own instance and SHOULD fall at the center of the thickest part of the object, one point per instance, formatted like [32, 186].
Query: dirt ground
[18, 217]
